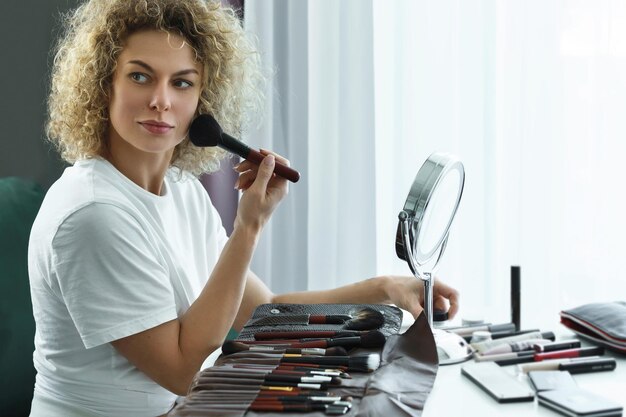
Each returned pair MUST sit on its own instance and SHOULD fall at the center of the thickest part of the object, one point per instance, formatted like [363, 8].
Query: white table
[455, 395]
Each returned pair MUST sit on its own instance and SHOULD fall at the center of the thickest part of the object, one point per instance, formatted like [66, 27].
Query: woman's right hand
[262, 191]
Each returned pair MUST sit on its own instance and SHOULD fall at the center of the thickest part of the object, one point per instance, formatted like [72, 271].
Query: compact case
[600, 323]
[575, 402]
[399, 387]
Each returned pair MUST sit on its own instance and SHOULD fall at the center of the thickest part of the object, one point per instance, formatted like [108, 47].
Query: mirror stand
[451, 348]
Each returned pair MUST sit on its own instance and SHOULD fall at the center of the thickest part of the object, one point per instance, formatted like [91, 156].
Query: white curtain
[531, 95]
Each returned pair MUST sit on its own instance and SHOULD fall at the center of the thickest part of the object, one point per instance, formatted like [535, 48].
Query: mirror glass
[438, 214]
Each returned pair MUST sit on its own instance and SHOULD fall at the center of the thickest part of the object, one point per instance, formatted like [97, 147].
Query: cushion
[20, 200]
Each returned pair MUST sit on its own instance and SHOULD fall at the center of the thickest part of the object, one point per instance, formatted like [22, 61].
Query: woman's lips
[157, 128]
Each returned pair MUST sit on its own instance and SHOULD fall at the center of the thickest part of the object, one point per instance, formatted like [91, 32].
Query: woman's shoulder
[87, 193]
[86, 182]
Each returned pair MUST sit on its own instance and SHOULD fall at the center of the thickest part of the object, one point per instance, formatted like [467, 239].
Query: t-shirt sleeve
[110, 275]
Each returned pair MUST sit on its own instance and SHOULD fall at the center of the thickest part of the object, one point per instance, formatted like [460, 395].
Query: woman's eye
[182, 84]
[139, 77]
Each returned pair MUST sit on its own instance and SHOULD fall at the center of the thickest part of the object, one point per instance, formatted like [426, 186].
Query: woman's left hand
[408, 294]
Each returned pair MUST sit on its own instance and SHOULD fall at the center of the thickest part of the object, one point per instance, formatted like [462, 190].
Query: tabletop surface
[454, 394]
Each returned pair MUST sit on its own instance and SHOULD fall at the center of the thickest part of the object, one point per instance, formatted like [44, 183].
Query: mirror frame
[434, 169]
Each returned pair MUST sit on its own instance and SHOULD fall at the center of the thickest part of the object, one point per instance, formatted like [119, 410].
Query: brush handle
[281, 407]
[277, 343]
[336, 408]
[297, 399]
[290, 366]
[254, 380]
[280, 320]
[297, 364]
[268, 377]
[326, 343]
[303, 333]
[321, 360]
[329, 319]
[279, 169]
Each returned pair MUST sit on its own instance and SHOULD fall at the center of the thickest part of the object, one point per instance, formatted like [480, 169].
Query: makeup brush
[303, 333]
[205, 131]
[273, 378]
[239, 387]
[277, 397]
[371, 339]
[329, 409]
[364, 319]
[282, 371]
[307, 369]
[263, 372]
[310, 367]
[361, 363]
[284, 391]
[230, 346]
[259, 380]
[317, 371]
[299, 399]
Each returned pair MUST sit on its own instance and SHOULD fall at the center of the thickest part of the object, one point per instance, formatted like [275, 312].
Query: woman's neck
[147, 170]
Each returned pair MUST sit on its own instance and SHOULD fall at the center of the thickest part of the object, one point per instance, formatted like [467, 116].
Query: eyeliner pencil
[572, 365]
[559, 354]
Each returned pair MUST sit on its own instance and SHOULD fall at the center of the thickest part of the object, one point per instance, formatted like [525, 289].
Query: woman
[133, 280]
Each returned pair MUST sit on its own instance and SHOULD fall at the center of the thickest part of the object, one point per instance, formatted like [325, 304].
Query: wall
[27, 30]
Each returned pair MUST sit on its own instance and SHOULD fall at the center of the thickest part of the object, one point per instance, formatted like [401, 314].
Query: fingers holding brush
[248, 170]
[261, 197]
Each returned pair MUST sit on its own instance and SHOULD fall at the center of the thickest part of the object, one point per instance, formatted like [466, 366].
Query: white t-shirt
[108, 259]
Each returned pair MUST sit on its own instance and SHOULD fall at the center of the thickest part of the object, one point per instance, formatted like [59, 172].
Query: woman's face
[155, 92]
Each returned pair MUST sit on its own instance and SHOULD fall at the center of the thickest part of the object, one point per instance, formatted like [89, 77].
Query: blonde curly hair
[86, 56]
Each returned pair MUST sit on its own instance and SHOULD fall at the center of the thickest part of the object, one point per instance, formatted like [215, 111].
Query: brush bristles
[366, 319]
[365, 363]
[336, 351]
[205, 131]
[361, 363]
[229, 347]
[373, 339]
[373, 362]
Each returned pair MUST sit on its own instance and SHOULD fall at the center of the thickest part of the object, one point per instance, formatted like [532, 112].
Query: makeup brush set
[317, 358]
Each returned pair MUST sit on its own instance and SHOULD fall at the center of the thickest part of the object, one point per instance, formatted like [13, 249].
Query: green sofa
[20, 200]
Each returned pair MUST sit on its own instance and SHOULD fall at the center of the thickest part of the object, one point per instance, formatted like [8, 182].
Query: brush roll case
[398, 388]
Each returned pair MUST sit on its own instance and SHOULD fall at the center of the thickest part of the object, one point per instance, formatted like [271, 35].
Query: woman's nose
[160, 100]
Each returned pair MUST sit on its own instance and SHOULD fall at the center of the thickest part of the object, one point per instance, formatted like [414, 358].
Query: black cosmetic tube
[515, 296]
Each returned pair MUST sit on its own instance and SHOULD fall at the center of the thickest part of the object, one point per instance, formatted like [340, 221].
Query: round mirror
[430, 208]
[422, 235]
